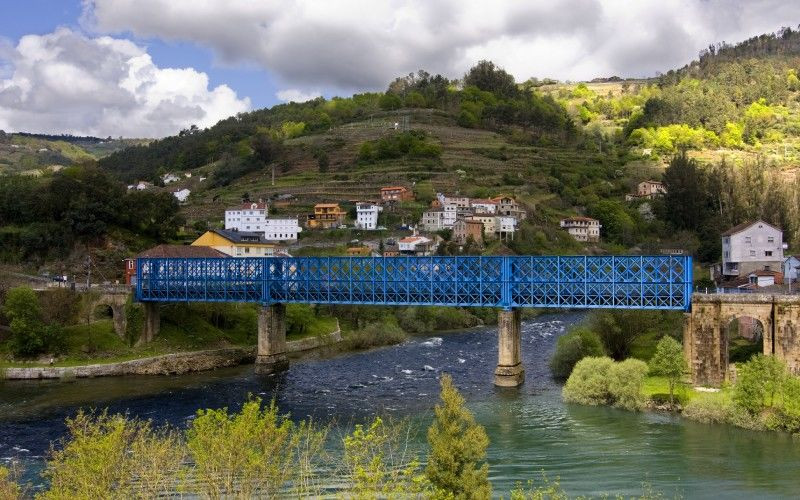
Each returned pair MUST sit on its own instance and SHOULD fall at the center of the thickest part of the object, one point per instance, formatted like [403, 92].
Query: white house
[143, 185]
[505, 227]
[582, 228]
[249, 216]
[416, 245]
[281, 229]
[791, 268]
[181, 194]
[367, 215]
[751, 246]
[169, 178]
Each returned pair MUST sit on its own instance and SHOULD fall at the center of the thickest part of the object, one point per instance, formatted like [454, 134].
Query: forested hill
[490, 99]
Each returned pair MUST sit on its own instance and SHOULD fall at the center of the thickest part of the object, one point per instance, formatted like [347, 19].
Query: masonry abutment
[271, 353]
[509, 371]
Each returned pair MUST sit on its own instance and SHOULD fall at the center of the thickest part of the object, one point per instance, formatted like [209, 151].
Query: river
[592, 450]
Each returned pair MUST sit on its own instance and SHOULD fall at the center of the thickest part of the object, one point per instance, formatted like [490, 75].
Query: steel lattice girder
[632, 282]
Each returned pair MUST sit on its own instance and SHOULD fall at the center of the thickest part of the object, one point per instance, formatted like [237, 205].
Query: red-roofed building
[396, 193]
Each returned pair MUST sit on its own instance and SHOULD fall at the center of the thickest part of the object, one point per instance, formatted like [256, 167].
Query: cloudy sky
[147, 68]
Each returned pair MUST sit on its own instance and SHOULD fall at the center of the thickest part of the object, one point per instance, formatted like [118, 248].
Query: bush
[577, 344]
[253, 451]
[375, 334]
[588, 383]
[30, 336]
[758, 382]
[114, 457]
[601, 381]
[625, 383]
[9, 489]
[376, 461]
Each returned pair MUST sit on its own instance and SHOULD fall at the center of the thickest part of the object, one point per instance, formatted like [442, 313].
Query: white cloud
[296, 95]
[351, 45]
[65, 82]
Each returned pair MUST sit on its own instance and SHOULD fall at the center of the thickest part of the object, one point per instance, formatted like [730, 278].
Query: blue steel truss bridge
[628, 282]
[507, 283]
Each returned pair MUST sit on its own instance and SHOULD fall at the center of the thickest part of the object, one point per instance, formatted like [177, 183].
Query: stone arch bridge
[705, 332]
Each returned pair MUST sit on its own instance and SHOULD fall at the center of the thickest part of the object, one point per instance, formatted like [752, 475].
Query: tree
[456, 459]
[577, 344]
[686, 201]
[486, 76]
[29, 334]
[668, 361]
[389, 102]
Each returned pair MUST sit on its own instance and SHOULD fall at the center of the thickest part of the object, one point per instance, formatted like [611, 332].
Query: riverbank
[168, 364]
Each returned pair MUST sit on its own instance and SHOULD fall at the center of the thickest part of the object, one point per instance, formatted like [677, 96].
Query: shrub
[625, 383]
[588, 383]
[9, 489]
[252, 451]
[456, 459]
[375, 334]
[113, 457]
[60, 306]
[376, 461]
[758, 382]
[790, 404]
[577, 344]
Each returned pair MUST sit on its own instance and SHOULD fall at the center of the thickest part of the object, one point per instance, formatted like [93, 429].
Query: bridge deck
[631, 282]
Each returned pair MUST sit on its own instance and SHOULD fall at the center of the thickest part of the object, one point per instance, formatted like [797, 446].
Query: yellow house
[326, 216]
[236, 243]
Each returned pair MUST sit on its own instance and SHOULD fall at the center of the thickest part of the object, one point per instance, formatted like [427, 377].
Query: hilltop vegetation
[561, 149]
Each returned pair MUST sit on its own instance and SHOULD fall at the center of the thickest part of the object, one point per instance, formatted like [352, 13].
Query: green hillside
[40, 154]
[560, 149]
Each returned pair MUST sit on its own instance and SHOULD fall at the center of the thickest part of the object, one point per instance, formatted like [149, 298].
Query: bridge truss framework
[582, 282]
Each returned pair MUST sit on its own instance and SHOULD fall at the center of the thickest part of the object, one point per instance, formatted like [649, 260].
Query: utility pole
[88, 272]
[273, 174]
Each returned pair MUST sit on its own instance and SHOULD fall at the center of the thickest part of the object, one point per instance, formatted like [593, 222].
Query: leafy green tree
[686, 200]
[669, 362]
[9, 489]
[29, 334]
[389, 102]
[758, 382]
[486, 76]
[456, 459]
[578, 343]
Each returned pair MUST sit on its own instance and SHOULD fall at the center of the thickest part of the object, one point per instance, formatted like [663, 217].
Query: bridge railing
[640, 282]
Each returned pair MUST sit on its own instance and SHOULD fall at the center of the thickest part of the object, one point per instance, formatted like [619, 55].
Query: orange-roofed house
[326, 216]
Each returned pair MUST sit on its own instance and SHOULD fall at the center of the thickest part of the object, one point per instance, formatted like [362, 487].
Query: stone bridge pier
[271, 350]
[509, 371]
[706, 336]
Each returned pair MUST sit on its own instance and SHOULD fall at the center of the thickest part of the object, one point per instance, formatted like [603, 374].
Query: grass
[318, 328]
[659, 386]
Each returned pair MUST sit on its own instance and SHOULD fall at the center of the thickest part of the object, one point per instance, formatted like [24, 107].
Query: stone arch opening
[102, 311]
[744, 336]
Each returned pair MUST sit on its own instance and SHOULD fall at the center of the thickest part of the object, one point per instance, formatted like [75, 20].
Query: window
[748, 240]
[768, 253]
[766, 268]
[771, 239]
[752, 253]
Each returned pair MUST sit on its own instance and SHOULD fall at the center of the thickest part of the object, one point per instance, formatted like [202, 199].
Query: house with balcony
[582, 228]
[416, 245]
[326, 216]
[508, 206]
[749, 247]
[432, 221]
